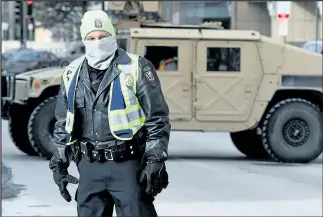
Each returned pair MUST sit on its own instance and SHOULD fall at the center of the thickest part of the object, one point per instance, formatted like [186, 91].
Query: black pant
[102, 185]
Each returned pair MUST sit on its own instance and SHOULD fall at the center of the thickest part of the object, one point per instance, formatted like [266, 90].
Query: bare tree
[55, 15]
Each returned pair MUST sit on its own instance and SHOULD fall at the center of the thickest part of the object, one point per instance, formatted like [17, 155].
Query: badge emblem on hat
[98, 23]
[129, 80]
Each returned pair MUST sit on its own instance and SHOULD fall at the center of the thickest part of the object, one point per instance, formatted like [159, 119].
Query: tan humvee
[268, 95]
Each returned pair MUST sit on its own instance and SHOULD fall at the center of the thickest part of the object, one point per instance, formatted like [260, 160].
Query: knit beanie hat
[96, 20]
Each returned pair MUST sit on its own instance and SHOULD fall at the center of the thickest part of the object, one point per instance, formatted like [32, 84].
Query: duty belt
[117, 151]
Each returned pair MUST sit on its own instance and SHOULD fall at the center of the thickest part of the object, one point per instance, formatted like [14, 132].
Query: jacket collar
[122, 57]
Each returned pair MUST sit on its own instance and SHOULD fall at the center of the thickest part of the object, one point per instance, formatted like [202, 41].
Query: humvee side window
[164, 58]
[221, 59]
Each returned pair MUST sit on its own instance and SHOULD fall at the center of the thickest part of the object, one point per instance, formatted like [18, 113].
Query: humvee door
[173, 62]
[227, 76]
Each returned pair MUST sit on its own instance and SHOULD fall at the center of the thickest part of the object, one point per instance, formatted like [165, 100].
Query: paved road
[207, 177]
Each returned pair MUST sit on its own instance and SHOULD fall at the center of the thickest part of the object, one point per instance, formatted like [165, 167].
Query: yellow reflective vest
[126, 116]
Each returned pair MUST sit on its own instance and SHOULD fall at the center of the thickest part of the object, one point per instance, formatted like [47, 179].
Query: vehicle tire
[41, 127]
[17, 127]
[292, 131]
[249, 144]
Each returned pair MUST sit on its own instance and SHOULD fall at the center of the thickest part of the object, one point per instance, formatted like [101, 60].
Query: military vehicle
[267, 94]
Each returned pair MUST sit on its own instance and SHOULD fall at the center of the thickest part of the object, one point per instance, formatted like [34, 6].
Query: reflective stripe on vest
[126, 116]
[70, 79]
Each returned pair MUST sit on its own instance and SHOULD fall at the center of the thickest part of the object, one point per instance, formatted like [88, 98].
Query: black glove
[154, 177]
[61, 177]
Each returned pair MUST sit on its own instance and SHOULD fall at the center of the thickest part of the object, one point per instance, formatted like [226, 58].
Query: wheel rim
[296, 132]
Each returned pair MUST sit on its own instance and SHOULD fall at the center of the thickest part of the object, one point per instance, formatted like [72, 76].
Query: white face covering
[99, 53]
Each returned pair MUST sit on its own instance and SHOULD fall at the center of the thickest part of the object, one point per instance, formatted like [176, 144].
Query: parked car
[23, 60]
[314, 46]
[8, 54]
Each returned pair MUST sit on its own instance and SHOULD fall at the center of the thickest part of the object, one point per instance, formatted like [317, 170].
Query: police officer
[112, 120]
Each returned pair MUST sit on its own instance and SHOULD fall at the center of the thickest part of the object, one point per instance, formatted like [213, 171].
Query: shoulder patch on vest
[149, 76]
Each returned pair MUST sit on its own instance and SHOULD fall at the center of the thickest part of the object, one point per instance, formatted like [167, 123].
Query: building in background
[195, 12]
[249, 15]
[305, 22]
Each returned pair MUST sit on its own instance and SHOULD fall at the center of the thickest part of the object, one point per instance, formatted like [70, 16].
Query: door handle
[185, 88]
[247, 89]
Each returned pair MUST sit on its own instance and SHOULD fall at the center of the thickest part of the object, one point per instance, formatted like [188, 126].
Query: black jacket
[92, 110]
